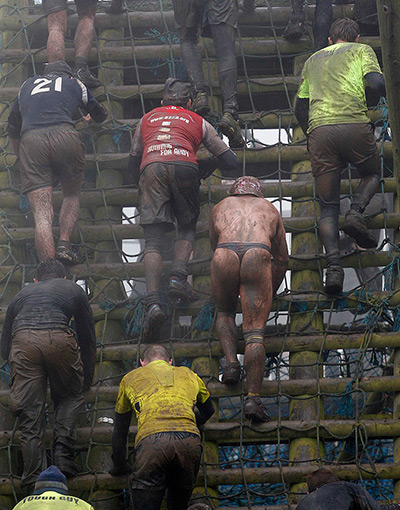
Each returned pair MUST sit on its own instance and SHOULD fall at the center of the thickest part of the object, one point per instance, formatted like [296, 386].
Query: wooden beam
[290, 474]
[233, 432]
[93, 233]
[129, 197]
[248, 46]
[291, 387]
[161, 20]
[272, 154]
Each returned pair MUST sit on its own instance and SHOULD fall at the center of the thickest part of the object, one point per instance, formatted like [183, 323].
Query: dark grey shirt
[51, 304]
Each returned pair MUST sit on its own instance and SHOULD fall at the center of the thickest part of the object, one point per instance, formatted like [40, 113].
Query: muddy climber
[327, 492]
[170, 404]
[364, 11]
[246, 231]
[218, 19]
[40, 346]
[56, 12]
[331, 109]
[51, 151]
[163, 163]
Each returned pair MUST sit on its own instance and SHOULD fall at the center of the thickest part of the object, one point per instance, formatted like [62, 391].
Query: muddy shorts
[190, 14]
[55, 153]
[168, 191]
[166, 459]
[332, 147]
[50, 6]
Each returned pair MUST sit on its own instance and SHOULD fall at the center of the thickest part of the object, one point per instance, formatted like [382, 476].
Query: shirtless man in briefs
[245, 230]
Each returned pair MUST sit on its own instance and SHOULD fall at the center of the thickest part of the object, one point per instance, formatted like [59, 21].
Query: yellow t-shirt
[333, 80]
[163, 398]
[51, 500]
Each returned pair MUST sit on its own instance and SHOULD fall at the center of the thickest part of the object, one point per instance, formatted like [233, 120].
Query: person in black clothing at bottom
[39, 344]
[327, 492]
[49, 148]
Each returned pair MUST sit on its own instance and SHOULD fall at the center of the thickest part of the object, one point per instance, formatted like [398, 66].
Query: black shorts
[50, 6]
[332, 147]
[165, 459]
[169, 192]
[49, 155]
[199, 14]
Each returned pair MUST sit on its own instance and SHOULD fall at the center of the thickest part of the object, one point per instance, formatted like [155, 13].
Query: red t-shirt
[170, 133]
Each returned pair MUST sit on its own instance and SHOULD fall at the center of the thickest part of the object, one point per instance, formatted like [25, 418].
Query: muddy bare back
[244, 219]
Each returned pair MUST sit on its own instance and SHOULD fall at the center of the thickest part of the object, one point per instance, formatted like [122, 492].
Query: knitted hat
[51, 479]
[58, 67]
[175, 93]
[246, 186]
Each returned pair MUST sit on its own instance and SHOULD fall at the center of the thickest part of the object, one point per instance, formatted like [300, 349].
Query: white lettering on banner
[163, 137]
[181, 152]
[159, 147]
[166, 152]
[166, 123]
[169, 117]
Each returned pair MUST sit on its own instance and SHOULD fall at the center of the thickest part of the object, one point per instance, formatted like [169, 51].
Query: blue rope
[106, 305]
[345, 407]
[5, 372]
[133, 326]
[205, 317]
[24, 205]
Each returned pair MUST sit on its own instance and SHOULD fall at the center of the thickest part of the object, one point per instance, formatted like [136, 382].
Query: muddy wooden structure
[324, 384]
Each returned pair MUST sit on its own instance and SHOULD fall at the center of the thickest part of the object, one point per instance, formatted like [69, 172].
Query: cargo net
[351, 337]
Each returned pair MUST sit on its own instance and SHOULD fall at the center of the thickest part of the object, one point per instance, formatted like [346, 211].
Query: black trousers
[38, 355]
[166, 460]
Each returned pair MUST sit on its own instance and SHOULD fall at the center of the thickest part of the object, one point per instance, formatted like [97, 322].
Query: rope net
[343, 348]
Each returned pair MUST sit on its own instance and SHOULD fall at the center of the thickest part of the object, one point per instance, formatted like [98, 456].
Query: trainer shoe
[200, 104]
[295, 29]
[334, 280]
[155, 318]
[232, 373]
[183, 291]
[356, 227]
[65, 254]
[83, 74]
[255, 411]
[229, 126]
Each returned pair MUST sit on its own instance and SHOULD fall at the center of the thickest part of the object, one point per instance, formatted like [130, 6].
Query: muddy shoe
[355, 226]
[295, 29]
[68, 468]
[183, 291]
[334, 280]
[155, 318]
[230, 128]
[200, 104]
[232, 373]
[83, 74]
[255, 411]
[65, 254]
[63, 459]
